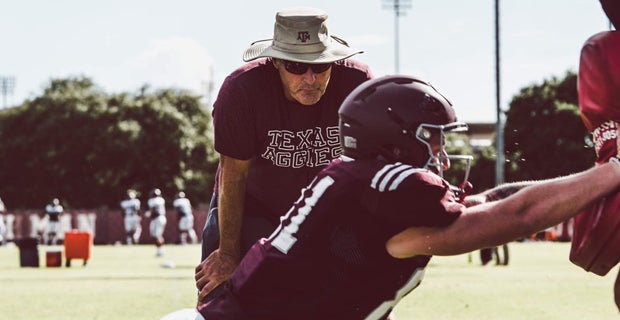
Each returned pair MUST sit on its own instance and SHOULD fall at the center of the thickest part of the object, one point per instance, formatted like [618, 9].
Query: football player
[53, 211]
[3, 228]
[131, 216]
[157, 214]
[186, 218]
[360, 236]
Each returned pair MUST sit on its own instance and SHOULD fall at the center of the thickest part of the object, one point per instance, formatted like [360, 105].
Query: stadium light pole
[499, 124]
[7, 84]
[208, 87]
[399, 7]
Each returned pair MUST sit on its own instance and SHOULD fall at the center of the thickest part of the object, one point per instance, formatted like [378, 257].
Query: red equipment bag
[595, 246]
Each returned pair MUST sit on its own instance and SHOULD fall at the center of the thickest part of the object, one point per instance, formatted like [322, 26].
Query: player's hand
[474, 200]
[214, 270]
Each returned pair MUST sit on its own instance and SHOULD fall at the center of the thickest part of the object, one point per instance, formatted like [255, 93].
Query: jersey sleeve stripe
[384, 179]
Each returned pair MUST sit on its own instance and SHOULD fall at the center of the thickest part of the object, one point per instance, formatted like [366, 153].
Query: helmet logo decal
[350, 142]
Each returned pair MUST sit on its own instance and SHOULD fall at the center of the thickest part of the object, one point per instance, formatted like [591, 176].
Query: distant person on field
[186, 218]
[157, 214]
[2, 224]
[53, 211]
[131, 216]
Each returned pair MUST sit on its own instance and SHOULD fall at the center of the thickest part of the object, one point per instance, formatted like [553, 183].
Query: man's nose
[309, 76]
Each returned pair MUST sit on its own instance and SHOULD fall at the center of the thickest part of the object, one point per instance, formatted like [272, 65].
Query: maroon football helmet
[399, 118]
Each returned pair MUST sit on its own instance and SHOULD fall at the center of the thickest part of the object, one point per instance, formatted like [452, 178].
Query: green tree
[86, 147]
[544, 135]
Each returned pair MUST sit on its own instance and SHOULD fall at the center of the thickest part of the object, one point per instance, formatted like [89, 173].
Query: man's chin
[308, 99]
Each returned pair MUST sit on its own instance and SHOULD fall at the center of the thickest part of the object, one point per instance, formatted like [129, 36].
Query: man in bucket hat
[275, 127]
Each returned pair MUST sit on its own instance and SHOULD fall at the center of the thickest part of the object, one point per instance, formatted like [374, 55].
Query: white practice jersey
[130, 207]
[183, 206]
[157, 206]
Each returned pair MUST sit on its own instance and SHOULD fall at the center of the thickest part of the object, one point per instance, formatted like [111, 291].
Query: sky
[123, 45]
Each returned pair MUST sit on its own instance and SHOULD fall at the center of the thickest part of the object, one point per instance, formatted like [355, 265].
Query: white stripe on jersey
[386, 306]
[381, 180]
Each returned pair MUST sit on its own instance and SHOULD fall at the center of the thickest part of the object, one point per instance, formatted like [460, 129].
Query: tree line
[544, 136]
[87, 147]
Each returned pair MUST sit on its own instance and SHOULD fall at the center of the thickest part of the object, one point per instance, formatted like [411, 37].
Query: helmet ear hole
[425, 134]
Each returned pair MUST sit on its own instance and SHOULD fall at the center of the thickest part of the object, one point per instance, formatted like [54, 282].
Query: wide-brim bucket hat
[301, 35]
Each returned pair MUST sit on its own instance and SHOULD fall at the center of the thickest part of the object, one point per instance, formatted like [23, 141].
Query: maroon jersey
[327, 259]
[288, 143]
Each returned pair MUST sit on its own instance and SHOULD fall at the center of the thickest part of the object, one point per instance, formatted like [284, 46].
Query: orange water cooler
[78, 245]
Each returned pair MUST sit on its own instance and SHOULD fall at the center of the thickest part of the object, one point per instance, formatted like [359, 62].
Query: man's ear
[275, 62]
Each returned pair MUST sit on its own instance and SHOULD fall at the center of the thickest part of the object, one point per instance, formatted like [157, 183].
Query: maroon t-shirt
[327, 259]
[288, 143]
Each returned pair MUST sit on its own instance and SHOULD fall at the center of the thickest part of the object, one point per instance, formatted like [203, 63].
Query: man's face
[306, 88]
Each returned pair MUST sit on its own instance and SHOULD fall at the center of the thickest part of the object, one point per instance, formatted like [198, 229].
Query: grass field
[121, 282]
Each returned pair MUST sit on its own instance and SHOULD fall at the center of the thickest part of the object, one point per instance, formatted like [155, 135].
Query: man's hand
[214, 270]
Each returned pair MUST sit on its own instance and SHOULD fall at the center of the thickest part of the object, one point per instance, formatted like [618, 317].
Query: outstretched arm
[500, 192]
[527, 211]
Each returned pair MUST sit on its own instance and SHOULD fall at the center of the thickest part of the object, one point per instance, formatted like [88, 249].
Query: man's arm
[220, 264]
[233, 175]
[530, 210]
[500, 192]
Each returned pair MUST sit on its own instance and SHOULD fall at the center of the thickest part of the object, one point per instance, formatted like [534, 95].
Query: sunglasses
[301, 68]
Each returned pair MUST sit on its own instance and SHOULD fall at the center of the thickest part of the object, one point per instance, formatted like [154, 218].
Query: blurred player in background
[183, 207]
[53, 211]
[131, 217]
[157, 214]
[3, 229]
